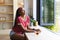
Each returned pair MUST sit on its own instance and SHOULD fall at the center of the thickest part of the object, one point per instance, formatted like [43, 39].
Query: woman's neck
[23, 16]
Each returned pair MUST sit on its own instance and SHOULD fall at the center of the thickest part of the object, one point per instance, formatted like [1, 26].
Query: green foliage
[33, 21]
[48, 10]
[31, 18]
[49, 27]
[52, 28]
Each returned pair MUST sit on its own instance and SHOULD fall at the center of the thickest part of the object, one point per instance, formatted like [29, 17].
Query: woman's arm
[33, 29]
[30, 28]
[25, 29]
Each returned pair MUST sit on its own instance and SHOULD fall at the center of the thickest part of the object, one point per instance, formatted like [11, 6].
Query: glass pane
[48, 11]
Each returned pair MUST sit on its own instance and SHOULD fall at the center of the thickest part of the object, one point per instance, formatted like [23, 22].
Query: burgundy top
[24, 23]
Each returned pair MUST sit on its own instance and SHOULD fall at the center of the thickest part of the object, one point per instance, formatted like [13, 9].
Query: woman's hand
[37, 31]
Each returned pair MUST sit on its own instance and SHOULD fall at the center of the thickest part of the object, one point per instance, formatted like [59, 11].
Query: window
[47, 12]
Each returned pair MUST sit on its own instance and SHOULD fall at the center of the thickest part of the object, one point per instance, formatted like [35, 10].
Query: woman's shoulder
[19, 17]
[28, 17]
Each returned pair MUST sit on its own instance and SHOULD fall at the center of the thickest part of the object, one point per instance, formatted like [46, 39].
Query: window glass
[47, 12]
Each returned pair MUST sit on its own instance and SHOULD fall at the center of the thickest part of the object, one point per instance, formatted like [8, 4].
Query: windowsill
[44, 35]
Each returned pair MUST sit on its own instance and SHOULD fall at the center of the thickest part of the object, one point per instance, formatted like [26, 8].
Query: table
[44, 35]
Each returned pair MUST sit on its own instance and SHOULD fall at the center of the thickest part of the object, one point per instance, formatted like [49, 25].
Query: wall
[4, 14]
[28, 5]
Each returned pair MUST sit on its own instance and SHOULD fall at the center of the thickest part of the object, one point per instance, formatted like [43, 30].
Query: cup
[36, 32]
[35, 23]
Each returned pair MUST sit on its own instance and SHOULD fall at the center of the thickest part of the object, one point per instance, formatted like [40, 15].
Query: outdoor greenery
[48, 14]
[49, 27]
[52, 28]
[48, 11]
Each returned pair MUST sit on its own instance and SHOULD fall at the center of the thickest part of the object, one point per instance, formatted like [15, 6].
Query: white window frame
[34, 9]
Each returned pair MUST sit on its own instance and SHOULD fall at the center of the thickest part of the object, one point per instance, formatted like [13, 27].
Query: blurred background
[46, 12]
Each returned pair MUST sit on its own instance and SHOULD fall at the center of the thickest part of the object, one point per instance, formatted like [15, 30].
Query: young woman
[21, 26]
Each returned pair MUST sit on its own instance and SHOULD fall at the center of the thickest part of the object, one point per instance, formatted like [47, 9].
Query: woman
[21, 26]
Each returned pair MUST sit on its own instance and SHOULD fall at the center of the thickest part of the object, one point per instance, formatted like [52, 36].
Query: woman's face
[23, 12]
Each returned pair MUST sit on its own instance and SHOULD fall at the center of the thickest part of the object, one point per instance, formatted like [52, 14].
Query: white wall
[28, 5]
